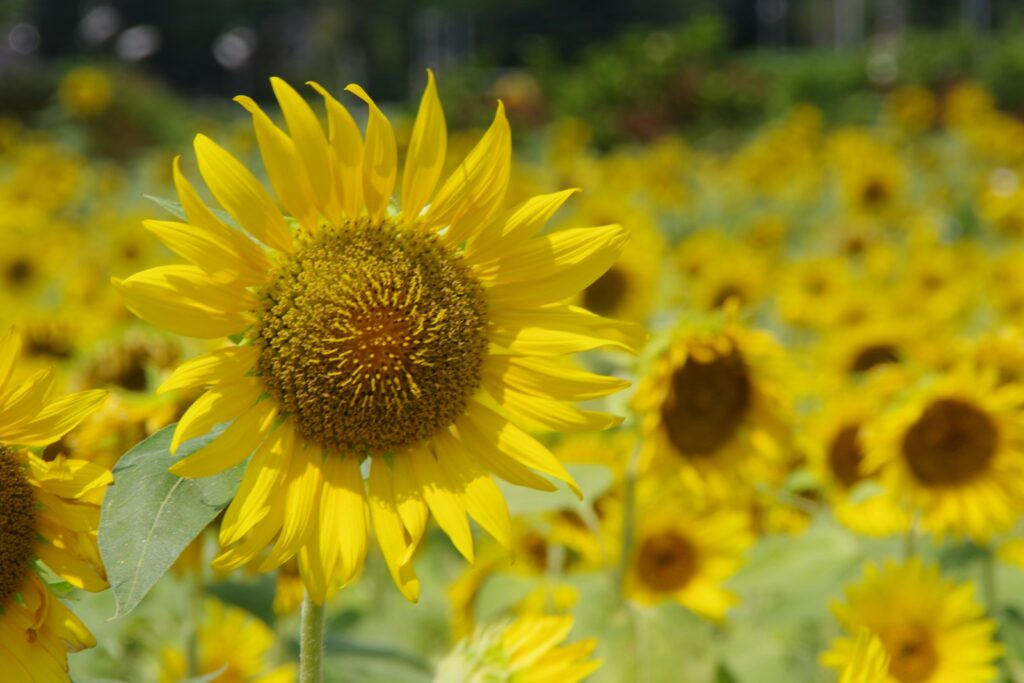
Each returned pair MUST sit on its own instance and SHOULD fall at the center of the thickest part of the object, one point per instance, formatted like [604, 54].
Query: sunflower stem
[311, 642]
[628, 518]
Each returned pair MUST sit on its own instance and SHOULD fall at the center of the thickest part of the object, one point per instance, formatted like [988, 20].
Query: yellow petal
[517, 444]
[346, 154]
[476, 188]
[69, 477]
[539, 257]
[494, 459]
[254, 543]
[536, 331]
[24, 401]
[301, 504]
[241, 195]
[482, 497]
[217, 256]
[425, 157]
[523, 283]
[309, 138]
[387, 526]
[522, 223]
[549, 378]
[444, 499]
[185, 300]
[54, 420]
[344, 514]
[284, 169]
[72, 568]
[546, 413]
[221, 403]
[412, 508]
[262, 478]
[380, 157]
[222, 365]
[319, 583]
[231, 447]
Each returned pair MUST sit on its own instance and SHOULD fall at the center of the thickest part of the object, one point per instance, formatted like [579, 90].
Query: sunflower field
[662, 364]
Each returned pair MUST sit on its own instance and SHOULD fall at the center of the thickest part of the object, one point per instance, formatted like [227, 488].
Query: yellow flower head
[49, 515]
[85, 92]
[527, 650]
[710, 408]
[684, 554]
[231, 641]
[951, 451]
[395, 340]
[932, 630]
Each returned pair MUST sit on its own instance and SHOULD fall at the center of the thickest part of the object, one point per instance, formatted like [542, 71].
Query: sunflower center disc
[913, 656]
[17, 526]
[951, 443]
[706, 404]
[606, 293]
[372, 337]
[666, 562]
[845, 456]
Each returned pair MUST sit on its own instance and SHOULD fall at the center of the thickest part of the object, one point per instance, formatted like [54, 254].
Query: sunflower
[368, 338]
[684, 554]
[526, 650]
[49, 517]
[229, 641]
[709, 408]
[933, 630]
[833, 439]
[951, 450]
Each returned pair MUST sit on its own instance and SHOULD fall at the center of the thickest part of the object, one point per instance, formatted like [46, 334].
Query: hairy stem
[311, 642]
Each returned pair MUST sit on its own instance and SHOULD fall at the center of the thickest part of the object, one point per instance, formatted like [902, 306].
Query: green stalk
[311, 642]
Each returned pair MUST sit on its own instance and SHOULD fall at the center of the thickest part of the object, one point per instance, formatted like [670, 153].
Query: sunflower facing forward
[370, 338]
[933, 630]
[49, 515]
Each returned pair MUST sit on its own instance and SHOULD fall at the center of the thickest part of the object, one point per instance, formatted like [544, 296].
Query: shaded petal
[220, 365]
[233, 446]
[241, 195]
[380, 157]
[444, 498]
[284, 169]
[476, 188]
[346, 154]
[388, 529]
[309, 138]
[521, 223]
[425, 157]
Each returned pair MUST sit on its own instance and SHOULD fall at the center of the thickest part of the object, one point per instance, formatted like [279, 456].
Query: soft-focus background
[842, 174]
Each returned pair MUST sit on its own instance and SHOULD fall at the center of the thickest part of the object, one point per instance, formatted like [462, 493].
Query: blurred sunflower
[833, 439]
[684, 555]
[527, 650]
[230, 641]
[49, 516]
[369, 338]
[933, 630]
[952, 451]
[710, 409]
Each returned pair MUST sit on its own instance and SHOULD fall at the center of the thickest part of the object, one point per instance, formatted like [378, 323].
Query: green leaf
[169, 205]
[150, 516]
[178, 211]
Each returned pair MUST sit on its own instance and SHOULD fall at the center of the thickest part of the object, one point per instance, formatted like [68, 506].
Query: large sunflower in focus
[933, 630]
[952, 452]
[49, 515]
[398, 341]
